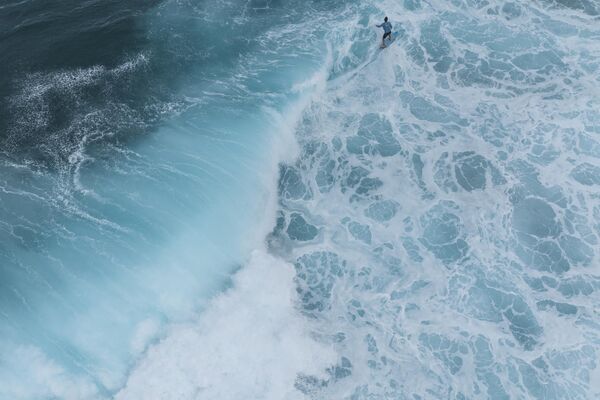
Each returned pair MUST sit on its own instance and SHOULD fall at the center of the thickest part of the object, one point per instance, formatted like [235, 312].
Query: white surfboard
[390, 41]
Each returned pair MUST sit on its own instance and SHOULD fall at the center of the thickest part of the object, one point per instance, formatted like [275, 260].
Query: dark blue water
[40, 37]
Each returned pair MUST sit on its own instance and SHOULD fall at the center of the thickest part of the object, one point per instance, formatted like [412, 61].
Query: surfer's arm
[379, 26]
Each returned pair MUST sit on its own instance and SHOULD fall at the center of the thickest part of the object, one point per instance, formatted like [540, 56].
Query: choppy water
[420, 222]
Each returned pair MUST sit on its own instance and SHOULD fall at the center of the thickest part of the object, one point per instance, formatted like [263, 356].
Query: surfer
[387, 31]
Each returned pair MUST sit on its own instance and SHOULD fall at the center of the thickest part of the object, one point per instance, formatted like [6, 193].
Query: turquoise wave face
[130, 212]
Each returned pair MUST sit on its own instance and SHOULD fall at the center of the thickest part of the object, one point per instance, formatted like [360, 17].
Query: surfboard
[390, 41]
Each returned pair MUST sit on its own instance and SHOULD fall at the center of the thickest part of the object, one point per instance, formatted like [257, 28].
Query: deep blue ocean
[249, 199]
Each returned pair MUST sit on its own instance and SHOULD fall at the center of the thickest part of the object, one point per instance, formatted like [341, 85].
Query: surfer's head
[385, 19]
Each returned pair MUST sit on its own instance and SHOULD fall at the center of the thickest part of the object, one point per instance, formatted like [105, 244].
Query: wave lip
[250, 343]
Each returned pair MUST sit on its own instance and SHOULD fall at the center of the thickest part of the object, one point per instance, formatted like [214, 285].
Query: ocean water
[249, 199]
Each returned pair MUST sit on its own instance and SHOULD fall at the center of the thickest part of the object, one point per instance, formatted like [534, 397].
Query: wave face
[433, 231]
[139, 154]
